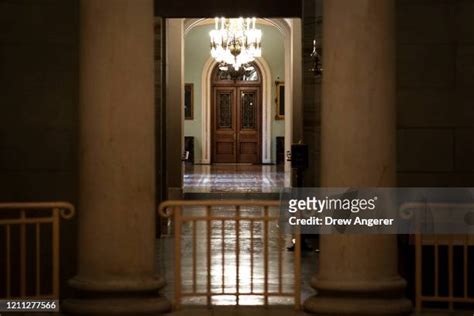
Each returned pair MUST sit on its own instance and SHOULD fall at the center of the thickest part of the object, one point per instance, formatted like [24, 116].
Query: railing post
[23, 254]
[298, 269]
[209, 250]
[8, 263]
[38, 258]
[237, 253]
[418, 264]
[177, 232]
[56, 245]
[265, 253]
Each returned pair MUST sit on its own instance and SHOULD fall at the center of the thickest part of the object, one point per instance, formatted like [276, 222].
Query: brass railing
[437, 293]
[207, 212]
[449, 242]
[30, 238]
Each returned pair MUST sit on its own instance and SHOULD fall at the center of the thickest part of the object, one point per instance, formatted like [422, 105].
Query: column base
[326, 306]
[381, 297]
[116, 297]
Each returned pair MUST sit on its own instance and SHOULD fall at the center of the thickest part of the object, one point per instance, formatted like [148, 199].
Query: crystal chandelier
[235, 42]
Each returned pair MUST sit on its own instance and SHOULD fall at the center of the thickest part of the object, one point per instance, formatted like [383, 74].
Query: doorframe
[206, 109]
[237, 87]
[290, 28]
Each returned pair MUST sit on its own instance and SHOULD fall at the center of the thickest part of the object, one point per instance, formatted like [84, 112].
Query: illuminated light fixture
[235, 42]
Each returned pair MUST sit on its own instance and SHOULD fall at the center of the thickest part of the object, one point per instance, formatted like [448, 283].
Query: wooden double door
[236, 124]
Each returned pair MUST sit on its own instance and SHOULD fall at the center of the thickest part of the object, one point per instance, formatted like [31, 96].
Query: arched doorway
[236, 116]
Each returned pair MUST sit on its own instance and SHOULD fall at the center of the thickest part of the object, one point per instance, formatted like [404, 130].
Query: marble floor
[243, 181]
[234, 178]
[225, 180]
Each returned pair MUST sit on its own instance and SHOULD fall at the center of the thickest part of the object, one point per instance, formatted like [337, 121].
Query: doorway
[236, 115]
[243, 165]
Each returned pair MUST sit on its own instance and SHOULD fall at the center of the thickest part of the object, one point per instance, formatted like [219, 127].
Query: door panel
[248, 136]
[236, 130]
[224, 125]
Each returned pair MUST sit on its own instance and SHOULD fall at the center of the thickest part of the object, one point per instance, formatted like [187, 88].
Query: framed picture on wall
[189, 101]
[280, 100]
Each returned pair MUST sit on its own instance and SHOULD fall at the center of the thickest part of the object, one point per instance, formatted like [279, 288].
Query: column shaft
[358, 274]
[116, 268]
[174, 107]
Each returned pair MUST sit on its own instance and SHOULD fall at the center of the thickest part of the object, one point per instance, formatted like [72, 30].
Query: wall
[197, 53]
[38, 107]
[435, 92]
[312, 12]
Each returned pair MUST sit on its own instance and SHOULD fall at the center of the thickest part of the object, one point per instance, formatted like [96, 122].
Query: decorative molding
[280, 24]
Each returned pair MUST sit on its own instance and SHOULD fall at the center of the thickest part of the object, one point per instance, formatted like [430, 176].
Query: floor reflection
[226, 260]
[234, 178]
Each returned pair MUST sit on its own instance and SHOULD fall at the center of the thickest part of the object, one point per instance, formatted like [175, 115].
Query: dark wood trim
[215, 82]
[243, 132]
[278, 85]
[191, 86]
[223, 132]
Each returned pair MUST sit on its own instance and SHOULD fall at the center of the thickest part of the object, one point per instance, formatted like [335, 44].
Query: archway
[290, 30]
[176, 29]
[267, 102]
[236, 111]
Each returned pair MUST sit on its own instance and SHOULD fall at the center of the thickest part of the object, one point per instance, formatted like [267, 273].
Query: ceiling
[228, 8]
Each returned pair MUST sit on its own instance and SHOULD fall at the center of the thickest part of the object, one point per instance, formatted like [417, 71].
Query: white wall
[197, 52]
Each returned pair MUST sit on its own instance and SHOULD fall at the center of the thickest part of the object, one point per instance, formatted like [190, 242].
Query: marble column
[358, 274]
[116, 261]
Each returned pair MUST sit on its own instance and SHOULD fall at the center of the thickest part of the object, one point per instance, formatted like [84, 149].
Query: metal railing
[24, 227]
[243, 221]
[437, 242]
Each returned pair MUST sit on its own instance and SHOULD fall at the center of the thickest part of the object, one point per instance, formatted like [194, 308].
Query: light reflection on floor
[224, 270]
[234, 179]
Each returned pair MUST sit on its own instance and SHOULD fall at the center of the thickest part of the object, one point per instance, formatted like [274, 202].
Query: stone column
[358, 273]
[174, 107]
[116, 262]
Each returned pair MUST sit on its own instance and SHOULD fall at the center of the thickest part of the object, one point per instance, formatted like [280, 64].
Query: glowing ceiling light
[235, 42]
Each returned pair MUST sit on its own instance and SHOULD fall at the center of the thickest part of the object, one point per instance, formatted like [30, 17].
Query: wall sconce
[316, 58]
[317, 52]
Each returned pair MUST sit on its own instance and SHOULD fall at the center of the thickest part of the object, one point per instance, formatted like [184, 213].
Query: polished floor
[237, 263]
[224, 262]
[235, 266]
[234, 178]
